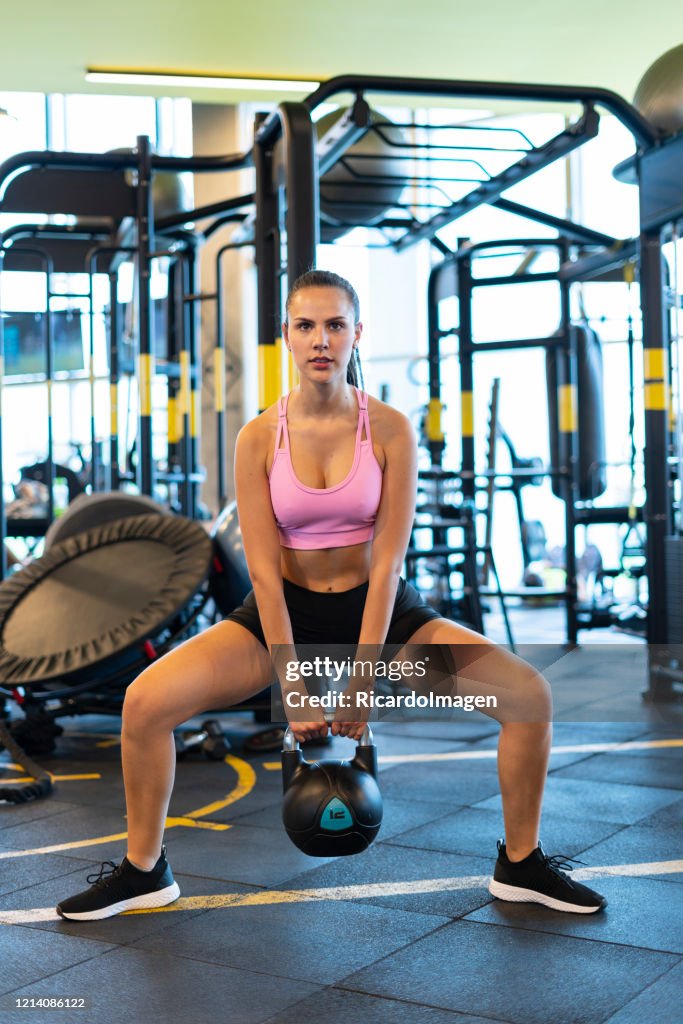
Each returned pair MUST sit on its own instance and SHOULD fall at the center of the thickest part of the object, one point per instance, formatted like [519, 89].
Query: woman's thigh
[480, 668]
[217, 668]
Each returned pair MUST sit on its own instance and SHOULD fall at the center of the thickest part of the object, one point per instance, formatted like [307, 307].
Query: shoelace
[559, 861]
[104, 875]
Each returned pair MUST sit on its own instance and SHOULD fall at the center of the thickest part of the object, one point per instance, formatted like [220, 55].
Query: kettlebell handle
[290, 741]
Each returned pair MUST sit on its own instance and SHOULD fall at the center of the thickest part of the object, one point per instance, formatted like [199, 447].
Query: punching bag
[592, 476]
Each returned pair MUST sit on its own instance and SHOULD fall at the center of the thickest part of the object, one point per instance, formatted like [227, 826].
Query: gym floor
[406, 932]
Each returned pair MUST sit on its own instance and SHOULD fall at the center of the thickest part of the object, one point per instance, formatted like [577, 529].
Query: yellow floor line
[246, 780]
[272, 897]
[58, 778]
[480, 755]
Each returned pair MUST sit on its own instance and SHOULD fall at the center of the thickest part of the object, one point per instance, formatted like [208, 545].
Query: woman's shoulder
[259, 429]
[386, 421]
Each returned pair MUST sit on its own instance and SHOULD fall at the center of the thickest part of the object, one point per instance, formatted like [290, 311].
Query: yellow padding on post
[195, 412]
[174, 431]
[467, 413]
[184, 393]
[654, 363]
[114, 409]
[290, 374]
[655, 397]
[567, 408]
[433, 424]
[219, 379]
[145, 383]
[269, 375]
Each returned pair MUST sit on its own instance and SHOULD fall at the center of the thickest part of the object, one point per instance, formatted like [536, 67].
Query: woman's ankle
[141, 862]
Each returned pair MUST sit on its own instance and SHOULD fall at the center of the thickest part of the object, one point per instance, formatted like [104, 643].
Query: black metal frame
[603, 256]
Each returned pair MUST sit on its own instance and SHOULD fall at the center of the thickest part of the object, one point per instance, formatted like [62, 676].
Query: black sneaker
[538, 879]
[122, 888]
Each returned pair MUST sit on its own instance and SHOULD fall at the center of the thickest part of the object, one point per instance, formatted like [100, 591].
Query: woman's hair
[328, 279]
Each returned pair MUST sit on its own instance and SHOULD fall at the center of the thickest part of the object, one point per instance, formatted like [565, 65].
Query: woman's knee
[531, 699]
[144, 707]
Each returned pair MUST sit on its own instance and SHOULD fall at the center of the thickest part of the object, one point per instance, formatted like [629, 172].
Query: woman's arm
[395, 518]
[259, 534]
[262, 551]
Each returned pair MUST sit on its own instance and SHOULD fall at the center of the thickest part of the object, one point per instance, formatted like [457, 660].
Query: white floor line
[348, 892]
[571, 748]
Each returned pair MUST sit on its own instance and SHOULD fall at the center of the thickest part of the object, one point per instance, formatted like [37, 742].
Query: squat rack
[288, 198]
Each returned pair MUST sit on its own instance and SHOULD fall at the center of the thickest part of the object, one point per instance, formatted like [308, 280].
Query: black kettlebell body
[331, 808]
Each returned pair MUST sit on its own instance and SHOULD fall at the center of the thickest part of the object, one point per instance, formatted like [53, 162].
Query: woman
[325, 545]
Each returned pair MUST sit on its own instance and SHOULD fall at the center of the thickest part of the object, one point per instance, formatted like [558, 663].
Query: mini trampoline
[90, 510]
[101, 604]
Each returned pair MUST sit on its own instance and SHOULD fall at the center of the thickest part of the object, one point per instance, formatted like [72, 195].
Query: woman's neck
[326, 403]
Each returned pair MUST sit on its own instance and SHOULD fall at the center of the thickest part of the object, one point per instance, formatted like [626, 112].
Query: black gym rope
[21, 793]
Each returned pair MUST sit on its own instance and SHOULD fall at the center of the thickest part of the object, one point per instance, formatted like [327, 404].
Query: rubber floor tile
[516, 975]
[335, 1006]
[76, 824]
[658, 772]
[19, 873]
[660, 1003]
[672, 814]
[240, 854]
[304, 940]
[28, 955]
[473, 830]
[12, 815]
[438, 782]
[134, 985]
[644, 913]
[598, 801]
[641, 845]
[419, 873]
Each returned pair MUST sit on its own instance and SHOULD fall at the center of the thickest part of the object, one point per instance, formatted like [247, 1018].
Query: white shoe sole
[513, 894]
[148, 901]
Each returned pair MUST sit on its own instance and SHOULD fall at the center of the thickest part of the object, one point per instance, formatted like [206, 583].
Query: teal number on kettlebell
[331, 808]
[336, 816]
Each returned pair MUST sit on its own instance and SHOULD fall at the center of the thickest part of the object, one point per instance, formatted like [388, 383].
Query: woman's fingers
[304, 731]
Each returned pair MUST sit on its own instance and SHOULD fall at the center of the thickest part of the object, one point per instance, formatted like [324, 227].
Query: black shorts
[335, 618]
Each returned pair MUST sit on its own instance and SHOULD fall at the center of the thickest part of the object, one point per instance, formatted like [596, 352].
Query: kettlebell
[331, 808]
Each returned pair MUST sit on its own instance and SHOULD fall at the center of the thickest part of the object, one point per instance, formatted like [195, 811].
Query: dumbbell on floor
[209, 740]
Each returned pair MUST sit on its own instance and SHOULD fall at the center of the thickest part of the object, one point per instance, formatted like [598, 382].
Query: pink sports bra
[326, 517]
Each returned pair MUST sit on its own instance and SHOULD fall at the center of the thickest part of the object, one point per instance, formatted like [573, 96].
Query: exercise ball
[365, 202]
[659, 95]
[229, 582]
[331, 808]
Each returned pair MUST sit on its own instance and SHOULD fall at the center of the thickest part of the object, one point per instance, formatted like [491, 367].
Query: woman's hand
[341, 726]
[304, 731]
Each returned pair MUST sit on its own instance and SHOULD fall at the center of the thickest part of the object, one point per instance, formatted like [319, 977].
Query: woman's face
[321, 333]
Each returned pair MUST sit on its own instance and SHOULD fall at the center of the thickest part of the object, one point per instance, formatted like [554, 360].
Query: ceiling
[46, 45]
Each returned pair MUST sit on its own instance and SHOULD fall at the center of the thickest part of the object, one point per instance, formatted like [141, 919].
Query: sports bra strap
[282, 426]
[363, 417]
